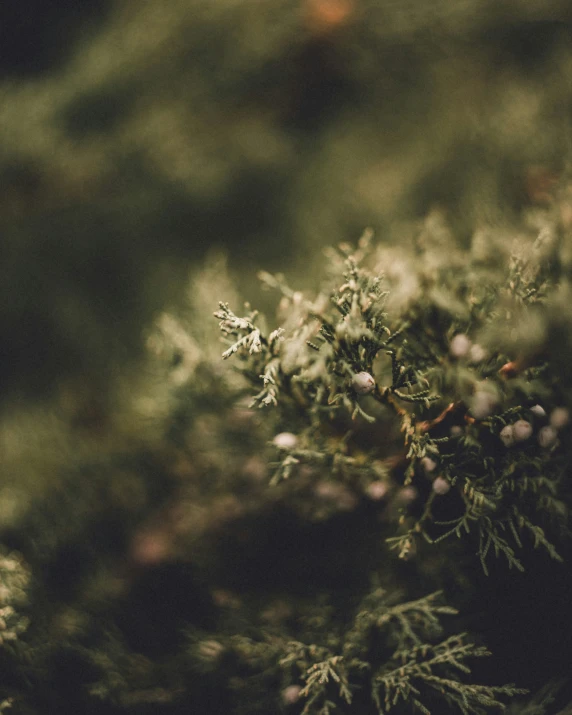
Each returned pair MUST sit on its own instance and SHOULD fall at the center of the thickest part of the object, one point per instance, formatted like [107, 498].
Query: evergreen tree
[357, 499]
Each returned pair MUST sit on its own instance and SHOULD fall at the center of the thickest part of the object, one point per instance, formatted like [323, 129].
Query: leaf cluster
[388, 657]
[451, 398]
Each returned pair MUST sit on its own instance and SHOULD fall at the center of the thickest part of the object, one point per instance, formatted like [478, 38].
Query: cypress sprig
[471, 410]
[393, 654]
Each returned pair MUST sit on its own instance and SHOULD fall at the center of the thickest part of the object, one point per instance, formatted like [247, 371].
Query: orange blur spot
[510, 369]
[327, 15]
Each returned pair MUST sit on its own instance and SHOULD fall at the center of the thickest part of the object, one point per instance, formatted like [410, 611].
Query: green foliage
[389, 655]
[539, 702]
[419, 668]
[14, 586]
[373, 437]
[469, 413]
[417, 406]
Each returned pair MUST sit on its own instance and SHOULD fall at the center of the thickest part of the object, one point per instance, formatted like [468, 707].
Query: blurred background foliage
[139, 142]
[137, 137]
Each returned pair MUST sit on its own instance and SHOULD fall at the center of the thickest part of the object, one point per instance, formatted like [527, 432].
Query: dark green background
[136, 138]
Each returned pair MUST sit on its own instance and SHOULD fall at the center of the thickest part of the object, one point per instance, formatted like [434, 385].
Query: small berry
[547, 436]
[377, 490]
[429, 465]
[507, 435]
[483, 404]
[441, 486]
[291, 694]
[538, 411]
[477, 353]
[336, 494]
[456, 431]
[285, 440]
[559, 417]
[522, 430]
[254, 468]
[363, 383]
[460, 346]
[151, 547]
[406, 495]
